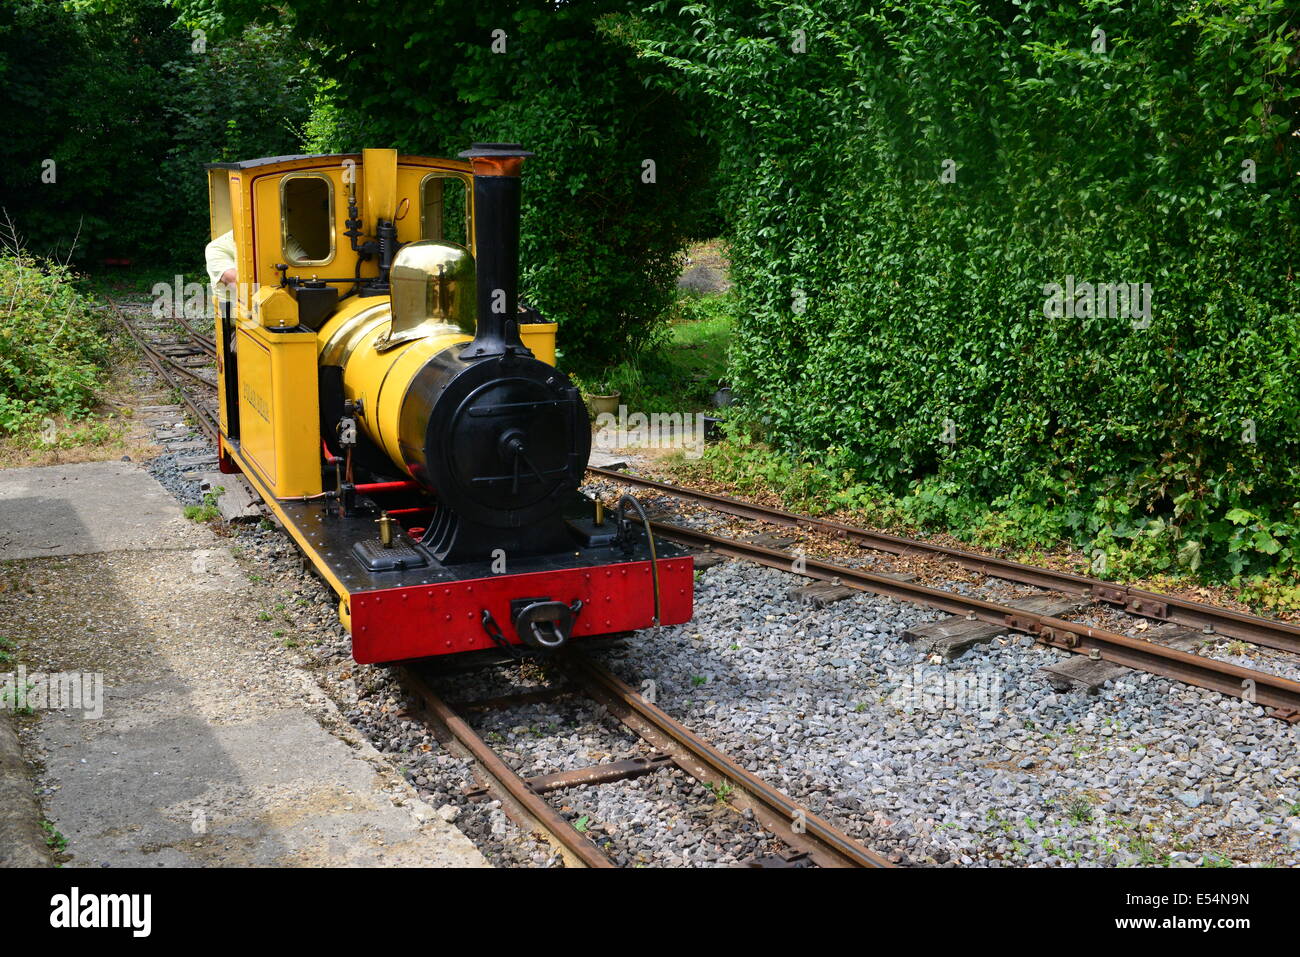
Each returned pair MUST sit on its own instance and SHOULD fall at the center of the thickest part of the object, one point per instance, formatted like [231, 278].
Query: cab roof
[272, 160]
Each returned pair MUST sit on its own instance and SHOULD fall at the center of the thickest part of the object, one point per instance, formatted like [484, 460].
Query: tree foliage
[894, 321]
[128, 105]
[600, 245]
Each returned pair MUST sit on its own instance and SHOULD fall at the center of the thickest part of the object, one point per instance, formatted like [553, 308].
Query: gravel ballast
[976, 761]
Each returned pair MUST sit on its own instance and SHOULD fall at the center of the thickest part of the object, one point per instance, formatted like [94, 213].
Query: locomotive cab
[397, 408]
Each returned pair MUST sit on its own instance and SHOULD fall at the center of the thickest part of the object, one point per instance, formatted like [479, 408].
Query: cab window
[444, 209]
[307, 222]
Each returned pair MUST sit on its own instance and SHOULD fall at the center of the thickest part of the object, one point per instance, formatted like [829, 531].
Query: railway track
[1281, 635]
[810, 840]
[201, 406]
[1281, 696]
[203, 341]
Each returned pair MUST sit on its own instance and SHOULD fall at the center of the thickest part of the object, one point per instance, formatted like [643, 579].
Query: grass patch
[1147, 854]
[208, 512]
[680, 368]
[53, 839]
[11, 695]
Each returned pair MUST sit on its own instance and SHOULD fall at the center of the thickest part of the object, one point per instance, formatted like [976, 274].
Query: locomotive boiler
[400, 412]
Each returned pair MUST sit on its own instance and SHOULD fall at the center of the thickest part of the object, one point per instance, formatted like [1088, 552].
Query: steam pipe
[496, 169]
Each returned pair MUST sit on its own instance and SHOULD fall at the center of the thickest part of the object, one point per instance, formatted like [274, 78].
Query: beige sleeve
[220, 255]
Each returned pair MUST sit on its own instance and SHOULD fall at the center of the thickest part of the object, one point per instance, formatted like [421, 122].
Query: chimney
[496, 169]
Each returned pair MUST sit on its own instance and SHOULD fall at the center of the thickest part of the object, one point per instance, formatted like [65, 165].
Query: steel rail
[1280, 635]
[799, 828]
[203, 417]
[205, 343]
[804, 832]
[202, 380]
[526, 804]
[1258, 687]
[168, 359]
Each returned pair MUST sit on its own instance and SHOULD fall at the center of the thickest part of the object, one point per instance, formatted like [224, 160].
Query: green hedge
[893, 323]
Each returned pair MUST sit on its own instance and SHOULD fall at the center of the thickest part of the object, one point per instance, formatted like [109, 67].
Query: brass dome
[432, 289]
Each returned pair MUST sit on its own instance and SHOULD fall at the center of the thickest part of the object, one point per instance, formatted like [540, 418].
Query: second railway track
[158, 344]
[1280, 695]
[1270, 633]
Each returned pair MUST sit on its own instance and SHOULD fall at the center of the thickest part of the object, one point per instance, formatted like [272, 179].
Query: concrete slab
[94, 507]
[210, 750]
[21, 842]
[237, 502]
[171, 787]
[606, 460]
[197, 460]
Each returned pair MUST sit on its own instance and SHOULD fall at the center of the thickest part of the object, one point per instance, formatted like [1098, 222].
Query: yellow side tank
[377, 379]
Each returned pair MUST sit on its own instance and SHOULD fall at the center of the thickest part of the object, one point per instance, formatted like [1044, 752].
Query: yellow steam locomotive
[398, 409]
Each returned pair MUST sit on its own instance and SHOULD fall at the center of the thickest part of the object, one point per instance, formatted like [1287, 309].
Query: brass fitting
[386, 525]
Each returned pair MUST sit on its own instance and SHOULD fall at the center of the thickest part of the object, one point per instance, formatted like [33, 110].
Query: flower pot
[604, 403]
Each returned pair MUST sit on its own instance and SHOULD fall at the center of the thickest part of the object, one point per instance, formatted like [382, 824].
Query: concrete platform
[82, 509]
[210, 751]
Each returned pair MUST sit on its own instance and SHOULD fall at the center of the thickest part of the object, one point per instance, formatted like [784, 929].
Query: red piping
[372, 487]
